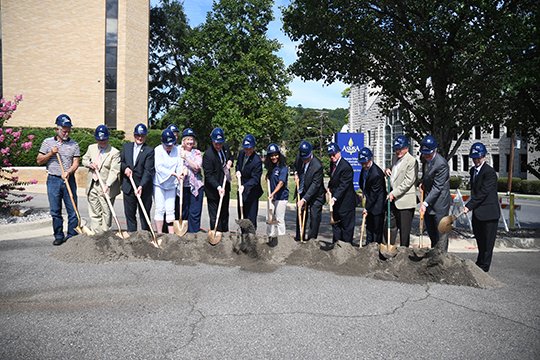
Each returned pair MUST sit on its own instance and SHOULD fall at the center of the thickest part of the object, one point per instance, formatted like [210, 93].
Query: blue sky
[309, 94]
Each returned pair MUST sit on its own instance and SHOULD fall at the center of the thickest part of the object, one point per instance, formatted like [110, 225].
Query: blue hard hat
[248, 142]
[101, 133]
[188, 132]
[305, 150]
[63, 120]
[173, 128]
[272, 149]
[333, 148]
[217, 135]
[365, 155]
[400, 142]
[428, 145]
[167, 137]
[478, 150]
[140, 129]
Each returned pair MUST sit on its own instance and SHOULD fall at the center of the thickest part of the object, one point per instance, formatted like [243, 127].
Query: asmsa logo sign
[351, 148]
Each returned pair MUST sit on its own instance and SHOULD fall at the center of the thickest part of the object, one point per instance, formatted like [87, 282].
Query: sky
[309, 94]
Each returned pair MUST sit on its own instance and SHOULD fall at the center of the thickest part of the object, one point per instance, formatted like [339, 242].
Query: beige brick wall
[54, 54]
[133, 23]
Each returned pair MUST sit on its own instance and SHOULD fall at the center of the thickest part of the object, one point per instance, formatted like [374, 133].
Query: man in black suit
[216, 165]
[249, 169]
[484, 204]
[436, 187]
[311, 198]
[342, 198]
[137, 160]
[374, 190]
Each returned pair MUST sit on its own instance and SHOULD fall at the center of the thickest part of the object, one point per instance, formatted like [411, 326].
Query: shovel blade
[214, 237]
[387, 251]
[446, 224]
[180, 228]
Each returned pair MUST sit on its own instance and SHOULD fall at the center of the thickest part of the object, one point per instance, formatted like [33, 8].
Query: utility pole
[509, 184]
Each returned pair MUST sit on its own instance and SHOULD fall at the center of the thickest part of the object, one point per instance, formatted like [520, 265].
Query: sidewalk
[44, 228]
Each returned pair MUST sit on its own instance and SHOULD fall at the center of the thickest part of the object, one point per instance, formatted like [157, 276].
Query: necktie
[302, 176]
[222, 157]
[246, 158]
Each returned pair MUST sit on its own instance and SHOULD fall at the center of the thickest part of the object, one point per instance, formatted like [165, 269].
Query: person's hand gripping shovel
[155, 241]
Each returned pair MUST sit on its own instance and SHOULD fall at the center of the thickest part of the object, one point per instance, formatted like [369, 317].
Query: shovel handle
[69, 190]
[220, 203]
[142, 208]
[108, 199]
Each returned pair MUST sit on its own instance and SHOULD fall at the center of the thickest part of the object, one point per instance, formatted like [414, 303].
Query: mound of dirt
[251, 252]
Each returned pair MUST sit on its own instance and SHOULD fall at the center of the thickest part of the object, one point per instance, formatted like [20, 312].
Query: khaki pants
[98, 209]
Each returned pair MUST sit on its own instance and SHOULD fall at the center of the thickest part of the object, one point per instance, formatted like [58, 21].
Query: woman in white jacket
[167, 177]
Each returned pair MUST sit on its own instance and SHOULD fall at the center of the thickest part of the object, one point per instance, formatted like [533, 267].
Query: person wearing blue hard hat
[342, 198]
[403, 177]
[61, 145]
[193, 191]
[168, 173]
[310, 192]
[373, 188]
[249, 171]
[103, 163]
[176, 131]
[484, 204]
[277, 174]
[217, 163]
[435, 185]
[137, 162]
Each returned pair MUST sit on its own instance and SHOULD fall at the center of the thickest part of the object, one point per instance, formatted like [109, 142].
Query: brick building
[365, 115]
[88, 59]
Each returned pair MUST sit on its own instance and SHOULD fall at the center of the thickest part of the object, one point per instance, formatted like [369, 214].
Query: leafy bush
[153, 138]
[530, 187]
[83, 136]
[455, 182]
[502, 184]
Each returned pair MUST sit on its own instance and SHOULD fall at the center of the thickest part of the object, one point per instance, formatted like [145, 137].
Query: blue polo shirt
[279, 174]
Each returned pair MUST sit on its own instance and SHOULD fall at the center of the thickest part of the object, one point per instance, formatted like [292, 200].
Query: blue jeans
[57, 191]
[192, 208]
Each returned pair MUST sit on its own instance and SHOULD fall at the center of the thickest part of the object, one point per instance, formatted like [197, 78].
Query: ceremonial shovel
[445, 225]
[329, 196]
[154, 238]
[387, 250]
[214, 236]
[271, 219]
[80, 229]
[120, 233]
[180, 227]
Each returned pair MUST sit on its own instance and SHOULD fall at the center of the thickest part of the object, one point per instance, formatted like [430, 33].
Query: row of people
[159, 174]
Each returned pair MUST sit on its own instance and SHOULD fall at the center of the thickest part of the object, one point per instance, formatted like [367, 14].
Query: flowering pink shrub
[10, 147]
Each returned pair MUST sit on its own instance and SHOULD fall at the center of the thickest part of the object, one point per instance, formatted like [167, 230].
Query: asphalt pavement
[50, 309]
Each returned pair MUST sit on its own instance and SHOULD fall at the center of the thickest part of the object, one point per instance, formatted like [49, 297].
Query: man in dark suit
[342, 198]
[373, 189]
[311, 198]
[436, 187]
[484, 204]
[137, 160]
[216, 165]
[249, 169]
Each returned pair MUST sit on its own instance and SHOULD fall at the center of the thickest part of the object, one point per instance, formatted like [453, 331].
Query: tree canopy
[236, 80]
[445, 62]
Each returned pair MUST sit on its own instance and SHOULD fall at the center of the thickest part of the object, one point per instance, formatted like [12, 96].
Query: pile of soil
[252, 253]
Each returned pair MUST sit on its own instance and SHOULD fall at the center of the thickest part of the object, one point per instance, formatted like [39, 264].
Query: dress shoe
[326, 246]
[355, 244]
[57, 242]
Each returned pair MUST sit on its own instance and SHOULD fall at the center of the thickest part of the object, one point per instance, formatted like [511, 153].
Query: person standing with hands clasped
[167, 176]
[103, 161]
[436, 186]
[278, 174]
[403, 176]
[249, 170]
[484, 204]
[342, 198]
[137, 161]
[216, 165]
[57, 192]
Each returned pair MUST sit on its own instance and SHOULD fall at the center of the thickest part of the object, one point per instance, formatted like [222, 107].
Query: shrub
[530, 187]
[455, 182]
[502, 184]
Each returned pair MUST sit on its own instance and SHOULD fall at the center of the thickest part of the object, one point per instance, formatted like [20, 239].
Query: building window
[388, 146]
[496, 131]
[369, 138]
[111, 60]
[507, 163]
[477, 132]
[495, 162]
[465, 159]
[455, 163]
[467, 136]
[523, 165]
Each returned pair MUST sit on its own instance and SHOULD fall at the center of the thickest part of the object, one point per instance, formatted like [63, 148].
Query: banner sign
[350, 145]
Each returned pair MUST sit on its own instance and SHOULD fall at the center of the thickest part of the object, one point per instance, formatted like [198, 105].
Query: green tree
[237, 81]
[169, 61]
[442, 61]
